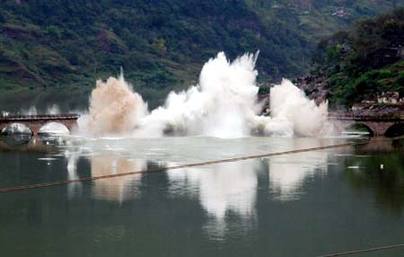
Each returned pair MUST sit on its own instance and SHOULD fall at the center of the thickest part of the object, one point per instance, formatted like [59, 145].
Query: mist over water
[223, 104]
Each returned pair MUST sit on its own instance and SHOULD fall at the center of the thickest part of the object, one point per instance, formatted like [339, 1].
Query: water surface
[304, 204]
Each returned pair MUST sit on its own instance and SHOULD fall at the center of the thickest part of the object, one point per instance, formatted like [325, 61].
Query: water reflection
[27, 143]
[227, 192]
[223, 190]
[72, 159]
[16, 140]
[120, 188]
[103, 161]
[379, 145]
[287, 173]
[381, 174]
[244, 205]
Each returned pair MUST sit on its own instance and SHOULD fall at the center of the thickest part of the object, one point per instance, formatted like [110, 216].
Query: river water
[303, 204]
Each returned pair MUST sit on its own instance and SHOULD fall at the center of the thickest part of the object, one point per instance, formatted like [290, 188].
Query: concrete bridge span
[377, 124]
[36, 122]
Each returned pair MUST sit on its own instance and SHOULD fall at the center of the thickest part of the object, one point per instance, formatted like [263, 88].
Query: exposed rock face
[315, 87]
[387, 103]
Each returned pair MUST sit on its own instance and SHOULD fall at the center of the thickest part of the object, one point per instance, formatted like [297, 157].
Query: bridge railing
[67, 116]
[367, 117]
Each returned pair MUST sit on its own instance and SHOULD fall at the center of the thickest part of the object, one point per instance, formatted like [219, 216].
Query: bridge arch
[361, 128]
[54, 128]
[16, 128]
[395, 130]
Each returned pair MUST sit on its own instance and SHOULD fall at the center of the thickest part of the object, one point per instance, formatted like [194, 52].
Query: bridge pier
[377, 125]
[379, 128]
[35, 122]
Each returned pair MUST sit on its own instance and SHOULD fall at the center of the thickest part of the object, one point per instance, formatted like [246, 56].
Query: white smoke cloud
[114, 109]
[292, 113]
[223, 104]
[220, 106]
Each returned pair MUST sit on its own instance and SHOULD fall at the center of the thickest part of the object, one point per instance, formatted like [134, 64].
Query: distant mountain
[52, 51]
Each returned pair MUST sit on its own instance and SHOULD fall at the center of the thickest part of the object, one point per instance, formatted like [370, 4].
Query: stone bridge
[36, 122]
[377, 124]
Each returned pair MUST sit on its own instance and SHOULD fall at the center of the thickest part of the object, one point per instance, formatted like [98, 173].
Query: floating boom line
[374, 249]
[175, 167]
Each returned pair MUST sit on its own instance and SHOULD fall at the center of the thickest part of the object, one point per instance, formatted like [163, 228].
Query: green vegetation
[64, 46]
[365, 60]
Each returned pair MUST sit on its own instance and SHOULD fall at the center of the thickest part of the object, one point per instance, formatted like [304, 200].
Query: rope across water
[234, 159]
[163, 169]
[374, 249]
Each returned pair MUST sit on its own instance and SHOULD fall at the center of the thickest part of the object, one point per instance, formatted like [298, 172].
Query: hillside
[53, 51]
[363, 62]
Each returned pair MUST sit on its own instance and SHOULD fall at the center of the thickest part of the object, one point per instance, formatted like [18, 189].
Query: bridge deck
[50, 117]
[391, 117]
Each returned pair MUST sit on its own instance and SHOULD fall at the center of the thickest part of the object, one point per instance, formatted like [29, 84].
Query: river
[302, 204]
